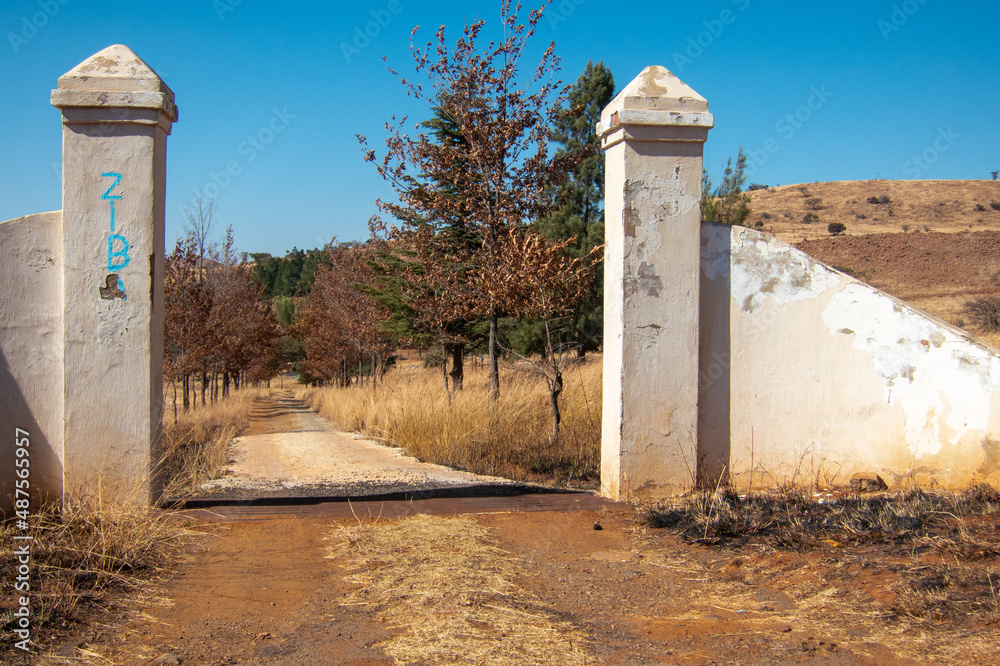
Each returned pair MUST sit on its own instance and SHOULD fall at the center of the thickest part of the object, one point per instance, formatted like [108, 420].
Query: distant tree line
[340, 321]
[288, 276]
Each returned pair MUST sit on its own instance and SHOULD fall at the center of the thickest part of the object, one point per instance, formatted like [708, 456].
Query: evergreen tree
[265, 271]
[727, 204]
[581, 197]
[421, 303]
[580, 214]
[286, 283]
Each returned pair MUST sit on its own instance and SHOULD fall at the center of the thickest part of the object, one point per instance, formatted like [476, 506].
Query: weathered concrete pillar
[116, 114]
[653, 133]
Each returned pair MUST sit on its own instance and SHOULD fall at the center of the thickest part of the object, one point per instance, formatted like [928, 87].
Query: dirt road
[291, 451]
[506, 587]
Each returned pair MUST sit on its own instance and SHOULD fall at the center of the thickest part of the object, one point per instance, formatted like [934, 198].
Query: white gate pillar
[653, 133]
[116, 116]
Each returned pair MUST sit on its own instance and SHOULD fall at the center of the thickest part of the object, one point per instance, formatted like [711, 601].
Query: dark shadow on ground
[253, 498]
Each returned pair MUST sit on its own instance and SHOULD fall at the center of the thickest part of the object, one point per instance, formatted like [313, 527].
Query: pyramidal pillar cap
[655, 98]
[115, 78]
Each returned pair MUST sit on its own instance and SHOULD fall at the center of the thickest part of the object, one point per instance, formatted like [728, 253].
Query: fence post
[116, 115]
[653, 133]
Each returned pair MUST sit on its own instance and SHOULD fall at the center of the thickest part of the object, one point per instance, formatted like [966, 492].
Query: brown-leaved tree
[218, 324]
[341, 319]
[498, 178]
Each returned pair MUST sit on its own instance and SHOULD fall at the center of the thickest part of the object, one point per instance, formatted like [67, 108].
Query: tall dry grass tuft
[87, 558]
[95, 564]
[196, 446]
[410, 409]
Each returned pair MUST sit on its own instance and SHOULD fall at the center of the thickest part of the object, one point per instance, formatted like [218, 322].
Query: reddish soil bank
[917, 264]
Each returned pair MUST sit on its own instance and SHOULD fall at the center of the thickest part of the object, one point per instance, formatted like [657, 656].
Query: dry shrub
[197, 445]
[410, 409]
[87, 558]
[451, 593]
[984, 313]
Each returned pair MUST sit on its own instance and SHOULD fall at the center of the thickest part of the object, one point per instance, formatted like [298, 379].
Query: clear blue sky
[924, 81]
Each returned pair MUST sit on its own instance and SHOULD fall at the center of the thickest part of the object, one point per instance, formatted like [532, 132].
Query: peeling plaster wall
[81, 297]
[31, 351]
[809, 375]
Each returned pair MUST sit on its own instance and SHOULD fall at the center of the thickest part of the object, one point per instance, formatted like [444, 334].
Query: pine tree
[727, 204]
[580, 214]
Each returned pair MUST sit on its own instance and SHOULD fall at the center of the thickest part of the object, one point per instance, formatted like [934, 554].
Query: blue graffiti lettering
[107, 195]
[117, 257]
[117, 254]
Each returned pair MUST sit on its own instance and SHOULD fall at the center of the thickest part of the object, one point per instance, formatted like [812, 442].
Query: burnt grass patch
[793, 519]
[942, 548]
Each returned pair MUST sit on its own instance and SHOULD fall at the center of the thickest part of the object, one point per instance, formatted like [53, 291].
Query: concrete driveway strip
[329, 463]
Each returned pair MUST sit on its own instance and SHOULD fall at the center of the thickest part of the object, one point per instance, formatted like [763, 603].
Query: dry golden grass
[450, 592]
[920, 205]
[197, 445]
[95, 564]
[410, 409]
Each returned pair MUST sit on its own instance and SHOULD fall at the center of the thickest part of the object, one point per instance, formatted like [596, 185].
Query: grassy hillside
[948, 206]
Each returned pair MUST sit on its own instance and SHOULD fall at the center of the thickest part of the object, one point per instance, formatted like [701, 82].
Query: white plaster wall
[113, 348]
[31, 351]
[651, 318]
[809, 375]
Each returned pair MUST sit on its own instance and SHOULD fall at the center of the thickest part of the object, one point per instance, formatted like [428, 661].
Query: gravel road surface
[293, 452]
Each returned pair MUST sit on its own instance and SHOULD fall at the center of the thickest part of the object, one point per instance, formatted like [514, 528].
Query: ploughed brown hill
[932, 243]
